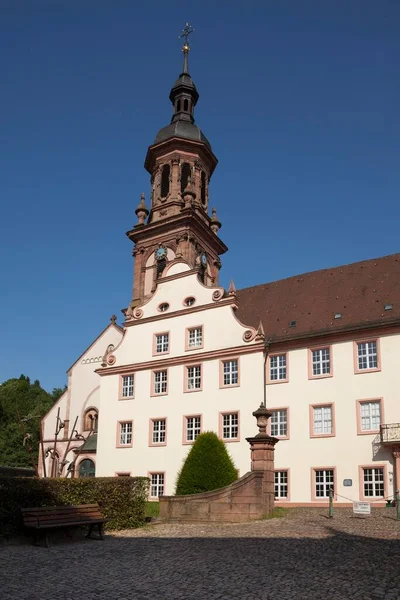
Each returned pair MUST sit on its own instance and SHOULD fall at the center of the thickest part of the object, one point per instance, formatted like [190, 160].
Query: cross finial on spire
[185, 34]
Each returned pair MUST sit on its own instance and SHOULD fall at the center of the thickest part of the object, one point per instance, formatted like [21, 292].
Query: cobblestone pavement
[301, 556]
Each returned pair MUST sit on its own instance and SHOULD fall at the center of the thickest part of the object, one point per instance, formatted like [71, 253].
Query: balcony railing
[390, 434]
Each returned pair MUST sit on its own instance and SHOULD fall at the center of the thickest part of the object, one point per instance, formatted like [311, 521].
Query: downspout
[266, 352]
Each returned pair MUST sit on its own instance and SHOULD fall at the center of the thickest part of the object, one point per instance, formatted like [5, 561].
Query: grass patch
[278, 513]
[152, 509]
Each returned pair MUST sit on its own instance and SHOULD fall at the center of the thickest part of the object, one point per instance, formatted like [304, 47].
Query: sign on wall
[362, 508]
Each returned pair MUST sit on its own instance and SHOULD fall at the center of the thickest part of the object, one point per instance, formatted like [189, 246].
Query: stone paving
[301, 556]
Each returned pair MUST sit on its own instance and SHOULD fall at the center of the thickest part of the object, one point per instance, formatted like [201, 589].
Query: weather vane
[185, 34]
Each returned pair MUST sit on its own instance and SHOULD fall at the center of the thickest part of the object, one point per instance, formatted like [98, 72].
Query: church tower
[177, 225]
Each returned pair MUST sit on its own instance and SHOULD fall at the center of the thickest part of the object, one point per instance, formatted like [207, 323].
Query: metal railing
[390, 433]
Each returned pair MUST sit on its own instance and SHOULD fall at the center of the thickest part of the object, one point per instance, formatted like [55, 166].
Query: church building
[320, 350]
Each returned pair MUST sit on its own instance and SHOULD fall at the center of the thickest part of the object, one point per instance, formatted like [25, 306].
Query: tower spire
[185, 48]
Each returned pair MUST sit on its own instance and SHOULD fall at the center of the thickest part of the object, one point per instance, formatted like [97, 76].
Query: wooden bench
[56, 517]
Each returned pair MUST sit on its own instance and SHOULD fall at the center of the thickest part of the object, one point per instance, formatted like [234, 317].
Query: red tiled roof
[358, 291]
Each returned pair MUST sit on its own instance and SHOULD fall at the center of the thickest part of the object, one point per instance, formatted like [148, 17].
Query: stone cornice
[187, 358]
[229, 301]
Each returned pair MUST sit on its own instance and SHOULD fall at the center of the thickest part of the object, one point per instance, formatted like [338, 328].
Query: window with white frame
[162, 342]
[230, 372]
[367, 354]
[277, 367]
[160, 382]
[374, 482]
[281, 484]
[125, 433]
[195, 337]
[324, 481]
[279, 423]
[322, 420]
[193, 374]
[370, 413]
[128, 386]
[230, 426]
[157, 485]
[159, 431]
[193, 428]
[321, 362]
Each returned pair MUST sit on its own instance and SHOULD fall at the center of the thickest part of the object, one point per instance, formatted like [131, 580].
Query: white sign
[362, 508]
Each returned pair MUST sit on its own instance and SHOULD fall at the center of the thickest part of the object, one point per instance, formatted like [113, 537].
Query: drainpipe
[266, 351]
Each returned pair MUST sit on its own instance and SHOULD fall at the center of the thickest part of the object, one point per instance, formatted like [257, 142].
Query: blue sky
[300, 101]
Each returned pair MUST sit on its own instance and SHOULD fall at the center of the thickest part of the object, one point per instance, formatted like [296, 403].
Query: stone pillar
[262, 447]
[396, 456]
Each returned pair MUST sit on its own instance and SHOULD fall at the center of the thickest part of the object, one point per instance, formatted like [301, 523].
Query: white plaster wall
[347, 450]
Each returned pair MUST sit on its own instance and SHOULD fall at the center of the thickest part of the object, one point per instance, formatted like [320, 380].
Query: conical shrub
[207, 467]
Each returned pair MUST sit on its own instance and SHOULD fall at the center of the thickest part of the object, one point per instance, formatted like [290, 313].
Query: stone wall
[250, 497]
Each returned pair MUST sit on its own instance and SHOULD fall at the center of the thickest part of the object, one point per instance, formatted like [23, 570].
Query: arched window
[165, 181]
[178, 106]
[186, 174]
[186, 105]
[91, 419]
[87, 468]
[203, 188]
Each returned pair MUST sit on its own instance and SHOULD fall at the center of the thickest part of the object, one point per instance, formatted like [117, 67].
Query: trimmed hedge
[207, 467]
[121, 499]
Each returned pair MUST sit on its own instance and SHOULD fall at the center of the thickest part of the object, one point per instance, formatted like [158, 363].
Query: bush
[122, 499]
[207, 467]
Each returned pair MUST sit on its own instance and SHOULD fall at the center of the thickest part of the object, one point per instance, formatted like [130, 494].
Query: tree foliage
[22, 405]
[207, 467]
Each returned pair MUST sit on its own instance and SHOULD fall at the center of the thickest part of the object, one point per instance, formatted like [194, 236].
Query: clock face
[203, 259]
[160, 253]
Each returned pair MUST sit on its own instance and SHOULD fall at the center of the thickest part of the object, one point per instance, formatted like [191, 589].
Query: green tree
[207, 467]
[22, 405]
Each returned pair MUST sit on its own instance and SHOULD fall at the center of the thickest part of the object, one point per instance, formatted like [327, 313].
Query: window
[193, 378]
[186, 176]
[164, 306]
[279, 423]
[186, 105]
[165, 174]
[125, 433]
[128, 386]
[230, 372]
[192, 428]
[189, 301]
[322, 420]
[320, 362]
[369, 416]
[281, 484]
[87, 468]
[161, 343]
[203, 188]
[157, 485]
[91, 420]
[194, 338]
[230, 426]
[324, 481]
[160, 382]
[367, 355]
[159, 431]
[277, 367]
[373, 482]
